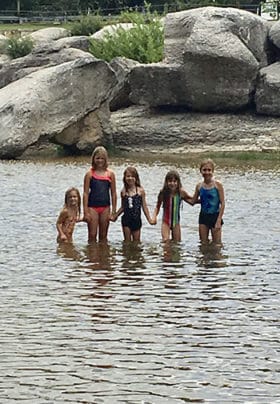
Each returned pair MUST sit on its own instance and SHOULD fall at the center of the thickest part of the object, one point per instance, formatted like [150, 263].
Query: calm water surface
[148, 323]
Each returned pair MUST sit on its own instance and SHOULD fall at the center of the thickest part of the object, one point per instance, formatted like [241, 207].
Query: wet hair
[207, 161]
[67, 196]
[165, 191]
[132, 171]
[102, 151]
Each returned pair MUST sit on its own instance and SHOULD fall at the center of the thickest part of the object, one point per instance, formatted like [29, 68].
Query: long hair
[101, 151]
[164, 193]
[134, 173]
[67, 196]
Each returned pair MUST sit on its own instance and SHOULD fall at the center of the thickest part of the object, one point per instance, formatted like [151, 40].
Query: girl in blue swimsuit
[210, 192]
[133, 201]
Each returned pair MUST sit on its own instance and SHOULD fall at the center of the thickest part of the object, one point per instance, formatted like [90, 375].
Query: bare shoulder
[111, 173]
[218, 184]
[63, 214]
[141, 191]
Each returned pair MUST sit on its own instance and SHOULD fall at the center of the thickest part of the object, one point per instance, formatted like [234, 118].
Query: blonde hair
[67, 196]
[101, 151]
[207, 161]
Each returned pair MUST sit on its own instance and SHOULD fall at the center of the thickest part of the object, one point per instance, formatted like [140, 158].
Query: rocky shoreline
[143, 129]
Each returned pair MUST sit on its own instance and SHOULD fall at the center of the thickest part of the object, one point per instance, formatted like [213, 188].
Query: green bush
[143, 42]
[87, 25]
[17, 46]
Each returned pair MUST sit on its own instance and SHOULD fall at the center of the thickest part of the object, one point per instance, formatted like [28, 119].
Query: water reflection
[69, 251]
[211, 256]
[132, 255]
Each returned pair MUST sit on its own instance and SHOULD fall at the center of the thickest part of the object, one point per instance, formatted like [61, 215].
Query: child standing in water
[99, 193]
[212, 199]
[171, 196]
[69, 215]
[133, 200]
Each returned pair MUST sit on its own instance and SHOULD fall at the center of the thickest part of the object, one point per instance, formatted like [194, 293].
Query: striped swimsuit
[171, 210]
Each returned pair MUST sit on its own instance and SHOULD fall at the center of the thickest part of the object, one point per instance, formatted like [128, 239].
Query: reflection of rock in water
[211, 256]
[68, 251]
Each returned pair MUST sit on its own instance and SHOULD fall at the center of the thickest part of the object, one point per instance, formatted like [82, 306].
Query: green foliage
[17, 46]
[87, 25]
[143, 42]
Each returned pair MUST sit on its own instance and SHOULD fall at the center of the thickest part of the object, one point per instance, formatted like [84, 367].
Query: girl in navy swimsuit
[99, 194]
[133, 201]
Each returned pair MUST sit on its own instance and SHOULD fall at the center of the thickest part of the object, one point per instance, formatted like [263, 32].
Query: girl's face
[172, 184]
[99, 160]
[72, 199]
[129, 179]
[207, 170]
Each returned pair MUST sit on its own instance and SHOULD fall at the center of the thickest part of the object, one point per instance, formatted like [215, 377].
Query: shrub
[143, 42]
[17, 46]
[87, 25]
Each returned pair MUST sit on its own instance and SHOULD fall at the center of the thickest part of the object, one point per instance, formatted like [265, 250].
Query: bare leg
[176, 233]
[104, 224]
[136, 235]
[165, 232]
[203, 233]
[216, 235]
[92, 225]
[126, 233]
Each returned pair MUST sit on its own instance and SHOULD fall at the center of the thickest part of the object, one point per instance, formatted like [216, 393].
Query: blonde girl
[212, 199]
[133, 201]
[99, 195]
[170, 197]
[69, 215]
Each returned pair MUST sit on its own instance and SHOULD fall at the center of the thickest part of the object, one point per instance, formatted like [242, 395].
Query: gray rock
[47, 102]
[267, 96]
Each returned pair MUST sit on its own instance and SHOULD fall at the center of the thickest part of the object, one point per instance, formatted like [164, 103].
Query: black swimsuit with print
[132, 212]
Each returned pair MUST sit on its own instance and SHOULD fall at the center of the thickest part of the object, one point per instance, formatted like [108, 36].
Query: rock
[212, 58]
[141, 128]
[120, 97]
[48, 34]
[111, 30]
[45, 103]
[267, 96]
[43, 55]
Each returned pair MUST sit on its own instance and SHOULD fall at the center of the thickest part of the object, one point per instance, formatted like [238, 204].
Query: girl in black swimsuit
[133, 201]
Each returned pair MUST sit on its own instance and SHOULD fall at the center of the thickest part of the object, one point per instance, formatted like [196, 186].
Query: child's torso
[132, 205]
[210, 199]
[171, 210]
[99, 194]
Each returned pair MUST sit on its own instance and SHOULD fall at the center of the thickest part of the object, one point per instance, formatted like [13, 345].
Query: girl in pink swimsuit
[99, 195]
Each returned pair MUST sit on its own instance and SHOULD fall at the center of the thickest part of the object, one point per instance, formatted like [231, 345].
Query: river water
[148, 323]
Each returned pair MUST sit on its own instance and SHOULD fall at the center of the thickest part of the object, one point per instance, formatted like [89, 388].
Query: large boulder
[48, 34]
[267, 96]
[120, 97]
[43, 55]
[212, 58]
[45, 103]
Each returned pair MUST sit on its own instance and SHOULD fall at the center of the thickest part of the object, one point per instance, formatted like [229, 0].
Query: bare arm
[157, 208]
[120, 210]
[59, 225]
[186, 197]
[145, 207]
[113, 192]
[85, 195]
[222, 203]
